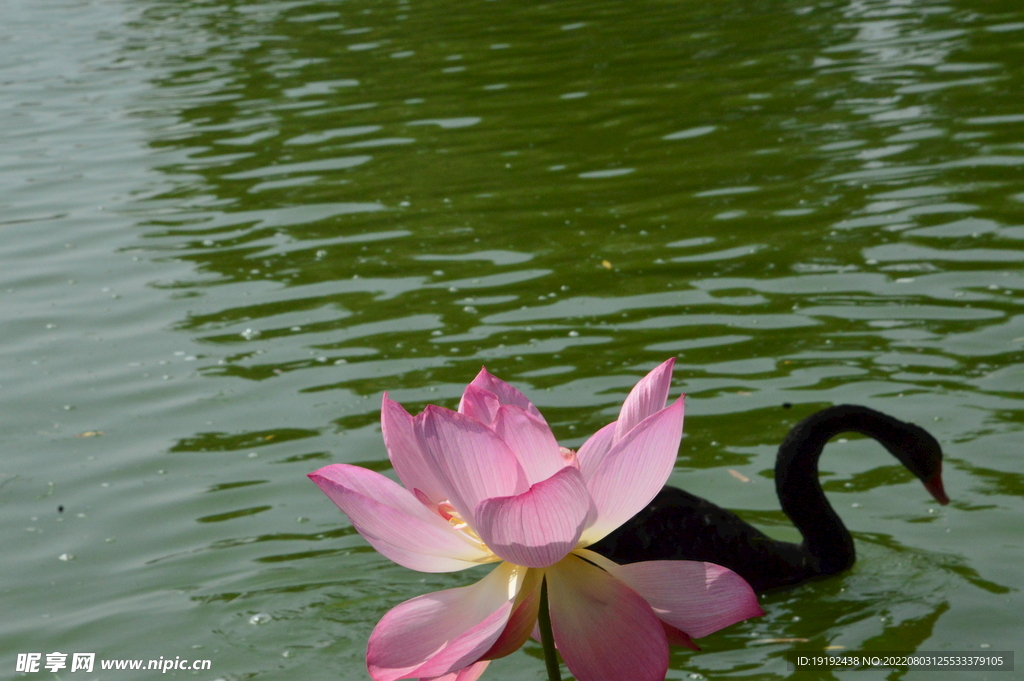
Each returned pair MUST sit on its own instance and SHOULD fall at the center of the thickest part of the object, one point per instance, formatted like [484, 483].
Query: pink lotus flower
[489, 484]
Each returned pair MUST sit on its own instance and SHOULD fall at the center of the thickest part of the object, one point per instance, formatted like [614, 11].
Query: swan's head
[922, 455]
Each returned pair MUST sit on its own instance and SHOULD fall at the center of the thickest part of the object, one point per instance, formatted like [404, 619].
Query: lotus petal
[505, 393]
[395, 523]
[406, 454]
[470, 673]
[443, 632]
[523, 619]
[531, 440]
[604, 630]
[634, 470]
[539, 527]
[593, 451]
[479, 403]
[646, 398]
[696, 598]
[471, 462]
[678, 638]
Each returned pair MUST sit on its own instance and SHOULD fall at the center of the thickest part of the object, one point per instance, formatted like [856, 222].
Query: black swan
[680, 526]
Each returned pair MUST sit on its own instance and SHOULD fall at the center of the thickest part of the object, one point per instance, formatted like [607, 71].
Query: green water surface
[226, 228]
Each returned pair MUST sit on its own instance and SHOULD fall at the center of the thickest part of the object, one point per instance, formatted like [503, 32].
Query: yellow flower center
[448, 512]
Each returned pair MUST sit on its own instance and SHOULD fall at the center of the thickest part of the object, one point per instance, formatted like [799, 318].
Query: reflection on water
[305, 204]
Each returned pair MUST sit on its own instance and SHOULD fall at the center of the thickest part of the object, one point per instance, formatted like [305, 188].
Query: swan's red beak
[934, 487]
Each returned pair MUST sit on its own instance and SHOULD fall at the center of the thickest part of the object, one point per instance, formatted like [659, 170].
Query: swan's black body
[680, 526]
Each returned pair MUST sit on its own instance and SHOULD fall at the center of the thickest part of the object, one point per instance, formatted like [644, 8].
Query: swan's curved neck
[826, 539]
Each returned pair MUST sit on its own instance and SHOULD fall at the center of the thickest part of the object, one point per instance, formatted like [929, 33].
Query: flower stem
[547, 639]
